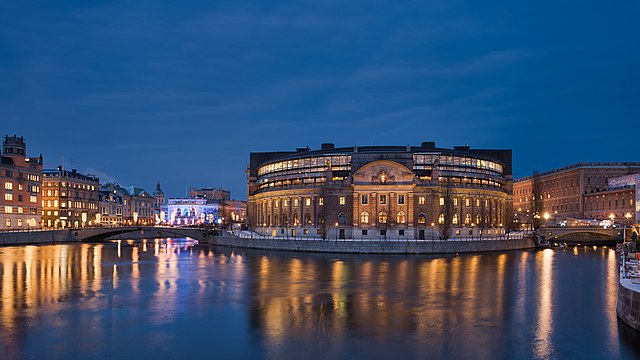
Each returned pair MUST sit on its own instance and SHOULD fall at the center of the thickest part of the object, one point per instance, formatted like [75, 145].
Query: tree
[536, 200]
[446, 192]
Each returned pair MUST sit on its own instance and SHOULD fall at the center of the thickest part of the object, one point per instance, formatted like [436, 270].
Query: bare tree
[446, 192]
[536, 200]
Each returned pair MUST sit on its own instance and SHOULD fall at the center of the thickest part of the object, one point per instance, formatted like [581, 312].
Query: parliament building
[380, 192]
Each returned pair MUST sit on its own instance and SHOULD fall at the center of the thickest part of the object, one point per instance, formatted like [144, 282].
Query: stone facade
[628, 306]
[69, 199]
[565, 190]
[20, 183]
[380, 192]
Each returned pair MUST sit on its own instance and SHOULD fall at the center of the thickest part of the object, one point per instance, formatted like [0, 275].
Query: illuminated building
[190, 211]
[20, 181]
[213, 195]
[620, 199]
[137, 204]
[565, 192]
[69, 199]
[111, 209]
[159, 206]
[407, 192]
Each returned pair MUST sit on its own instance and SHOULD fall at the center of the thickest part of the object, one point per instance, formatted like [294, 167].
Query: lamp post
[627, 216]
[612, 217]
[336, 231]
[546, 219]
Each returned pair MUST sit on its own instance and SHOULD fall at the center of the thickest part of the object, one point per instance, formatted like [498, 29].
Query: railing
[252, 235]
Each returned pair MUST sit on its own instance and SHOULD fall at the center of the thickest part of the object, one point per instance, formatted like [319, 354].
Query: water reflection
[285, 305]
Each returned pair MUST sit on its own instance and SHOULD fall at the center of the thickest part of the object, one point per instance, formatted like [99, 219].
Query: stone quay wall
[628, 307]
[376, 246]
[36, 237]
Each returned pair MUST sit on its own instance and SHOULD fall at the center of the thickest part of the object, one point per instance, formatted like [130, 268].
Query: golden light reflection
[543, 344]
[611, 300]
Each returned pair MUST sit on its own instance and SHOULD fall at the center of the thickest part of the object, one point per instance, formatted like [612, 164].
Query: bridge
[98, 234]
[592, 235]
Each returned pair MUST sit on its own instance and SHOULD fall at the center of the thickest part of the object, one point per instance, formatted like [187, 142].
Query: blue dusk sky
[181, 91]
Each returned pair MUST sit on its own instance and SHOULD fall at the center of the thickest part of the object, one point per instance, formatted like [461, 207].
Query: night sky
[181, 91]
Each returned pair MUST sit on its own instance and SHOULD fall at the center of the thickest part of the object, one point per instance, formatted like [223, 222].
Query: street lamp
[336, 231]
[627, 216]
[546, 218]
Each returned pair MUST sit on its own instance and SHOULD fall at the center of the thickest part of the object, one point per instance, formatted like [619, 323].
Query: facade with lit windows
[378, 192]
[20, 180]
[69, 199]
[582, 191]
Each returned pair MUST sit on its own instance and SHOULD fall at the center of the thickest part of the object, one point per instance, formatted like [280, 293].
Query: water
[168, 299]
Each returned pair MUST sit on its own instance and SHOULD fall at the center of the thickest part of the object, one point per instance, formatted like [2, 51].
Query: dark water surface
[167, 299]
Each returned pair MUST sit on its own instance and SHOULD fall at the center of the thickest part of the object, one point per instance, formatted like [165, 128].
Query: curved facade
[373, 192]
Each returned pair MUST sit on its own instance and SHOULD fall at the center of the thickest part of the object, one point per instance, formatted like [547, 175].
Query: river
[170, 299]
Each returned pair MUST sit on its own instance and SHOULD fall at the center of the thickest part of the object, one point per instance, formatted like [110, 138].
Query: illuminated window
[285, 203]
[441, 201]
[401, 217]
[295, 202]
[455, 201]
[8, 197]
[277, 203]
[422, 218]
[382, 217]
[19, 222]
[307, 202]
[364, 217]
[8, 222]
[383, 199]
[441, 219]
[467, 219]
[467, 202]
[20, 210]
[342, 200]
[455, 219]
[8, 209]
[8, 186]
[401, 199]
[365, 199]
[33, 199]
[458, 232]
[478, 202]
[478, 219]
[320, 201]
[421, 200]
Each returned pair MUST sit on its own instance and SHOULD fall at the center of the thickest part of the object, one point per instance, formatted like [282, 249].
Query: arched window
[422, 218]
[478, 219]
[342, 219]
[285, 220]
[296, 221]
[320, 219]
[307, 219]
[467, 219]
[486, 220]
[401, 218]
[441, 219]
[382, 217]
[455, 219]
[364, 217]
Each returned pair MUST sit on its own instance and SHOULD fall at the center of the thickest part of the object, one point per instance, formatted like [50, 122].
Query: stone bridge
[100, 234]
[584, 235]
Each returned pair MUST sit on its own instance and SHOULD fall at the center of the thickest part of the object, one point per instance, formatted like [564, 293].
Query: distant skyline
[181, 93]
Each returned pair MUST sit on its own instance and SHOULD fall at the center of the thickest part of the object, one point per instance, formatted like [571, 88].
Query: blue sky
[180, 92]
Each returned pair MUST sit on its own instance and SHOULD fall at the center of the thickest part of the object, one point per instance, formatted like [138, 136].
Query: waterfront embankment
[36, 237]
[377, 246]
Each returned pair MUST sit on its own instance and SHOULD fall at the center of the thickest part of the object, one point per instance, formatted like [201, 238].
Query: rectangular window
[285, 203]
[467, 202]
[8, 222]
[307, 202]
[33, 199]
[365, 199]
[320, 201]
[383, 232]
[8, 209]
[441, 201]
[455, 201]
[383, 199]
[342, 200]
[401, 199]
[8, 197]
[421, 200]
[364, 232]
[319, 231]
[478, 202]
[401, 232]
[295, 202]
[8, 186]
[458, 232]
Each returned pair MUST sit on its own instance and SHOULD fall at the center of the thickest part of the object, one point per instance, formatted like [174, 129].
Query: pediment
[383, 172]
